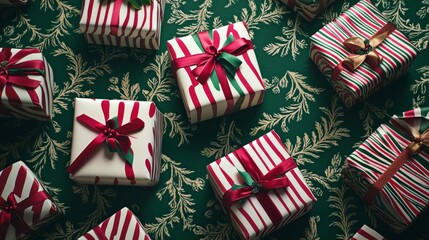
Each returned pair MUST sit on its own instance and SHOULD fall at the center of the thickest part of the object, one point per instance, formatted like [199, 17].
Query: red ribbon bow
[263, 183]
[10, 209]
[109, 133]
[210, 60]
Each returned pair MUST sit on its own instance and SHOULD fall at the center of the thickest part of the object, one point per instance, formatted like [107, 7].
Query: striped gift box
[34, 206]
[123, 225]
[406, 195]
[209, 100]
[110, 168]
[363, 20]
[117, 23]
[308, 9]
[367, 233]
[251, 217]
[26, 94]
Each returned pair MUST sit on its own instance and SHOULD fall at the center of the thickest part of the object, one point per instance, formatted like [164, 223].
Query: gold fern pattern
[228, 140]
[311, 232]
[300, 92]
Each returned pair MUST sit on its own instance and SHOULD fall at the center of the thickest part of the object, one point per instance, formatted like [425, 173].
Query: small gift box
[26, 81]
[360, 52]
[217, 72]
[367, 233]
[116, 142]
[390, 169]
[260, 187]
[125, 23]
[308, 9]
[25, 205]
[122, 225]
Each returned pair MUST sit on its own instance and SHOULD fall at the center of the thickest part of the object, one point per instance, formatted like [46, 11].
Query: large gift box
[360, 52]
[217, 71]
[26, 82]
[116, 142]
[125, 23]
[260, 187]
[123, 225]
[367, 233]
[390, 170]
[25, 205]
[308, 9]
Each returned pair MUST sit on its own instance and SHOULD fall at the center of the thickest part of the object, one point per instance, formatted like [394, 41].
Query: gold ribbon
[419, 140]
[363, 50]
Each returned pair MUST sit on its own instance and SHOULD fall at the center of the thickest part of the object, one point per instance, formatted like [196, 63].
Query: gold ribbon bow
[363, 50]
[419, 140]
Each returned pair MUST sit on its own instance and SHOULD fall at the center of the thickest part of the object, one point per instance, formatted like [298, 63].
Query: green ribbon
[129, 156]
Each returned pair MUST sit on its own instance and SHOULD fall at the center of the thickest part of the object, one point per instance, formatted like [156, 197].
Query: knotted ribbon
[419, 140]
[114, 22]
[112, 134]
[258, 184]
[14, 73]
[223, 62]
[10, 208]
[363, 50]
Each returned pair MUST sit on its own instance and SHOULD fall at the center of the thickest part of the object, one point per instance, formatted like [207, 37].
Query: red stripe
[20, 180]
[249, 220]
[240, 224]
[126, 224]
[121, 113]
[4, 175]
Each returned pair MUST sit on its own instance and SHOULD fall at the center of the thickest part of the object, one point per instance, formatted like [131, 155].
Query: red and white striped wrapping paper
[20, 180]
[308, 9]
[25, 107]
[367, 233]
[203, 102]
[109, 168]
[250, 218]
[123, 225]
[137, 28]
[362, 20]
[406, 195]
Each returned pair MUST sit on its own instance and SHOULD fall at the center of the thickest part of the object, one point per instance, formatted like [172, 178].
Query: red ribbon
[13, 73]
[388, 28]
[269, 181]
[207, 61]
[107, 133]
[114, 23]
[10, 209]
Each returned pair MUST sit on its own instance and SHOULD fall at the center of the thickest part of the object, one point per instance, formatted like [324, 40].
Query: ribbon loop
[112, 134]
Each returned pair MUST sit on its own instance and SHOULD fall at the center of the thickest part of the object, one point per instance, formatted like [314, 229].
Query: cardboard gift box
[122, 23]
[217, 72]
[360, 52]
[367, 233]
[26, 81]
[25, 205]
[122, 225]
[390, 169]
[260, 187]
[116, 142]
[308, 9]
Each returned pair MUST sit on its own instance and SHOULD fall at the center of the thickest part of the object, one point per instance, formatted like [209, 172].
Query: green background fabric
[299, 104]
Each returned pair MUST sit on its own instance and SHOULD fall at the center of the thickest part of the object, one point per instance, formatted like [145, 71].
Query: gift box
[390, 169]
[360, 52]
[122, 225]
[125, 23]
[25, 205]
[260, 187]
[18, 3]
[116, 142]
[367, 233]
[308, 9]
[217, 72]
[26, 81]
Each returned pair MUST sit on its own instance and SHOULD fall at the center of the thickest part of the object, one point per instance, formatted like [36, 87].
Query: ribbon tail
[5, 219]
[134, 125]
[231, 196]
[84, 155]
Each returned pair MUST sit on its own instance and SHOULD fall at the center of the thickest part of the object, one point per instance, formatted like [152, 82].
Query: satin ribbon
[114, 22]
[418, 142]
[363, 50]
[223, 61]
[13, 72]
[115, 136]
[10, 209]
[258, 184]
